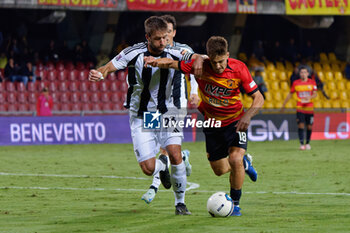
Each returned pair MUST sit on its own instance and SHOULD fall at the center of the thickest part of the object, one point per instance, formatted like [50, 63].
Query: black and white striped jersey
[180, 80]
[150, 88]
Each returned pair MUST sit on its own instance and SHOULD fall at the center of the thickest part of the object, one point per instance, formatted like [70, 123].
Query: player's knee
[219, 172]
[235, 160]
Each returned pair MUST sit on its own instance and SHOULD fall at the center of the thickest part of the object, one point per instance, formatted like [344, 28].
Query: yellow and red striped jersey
[304, 89]
[220, 92]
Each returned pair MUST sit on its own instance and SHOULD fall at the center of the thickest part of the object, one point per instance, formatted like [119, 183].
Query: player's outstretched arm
[258, 102]
[289, 96]
[164, 62]
[102, 72]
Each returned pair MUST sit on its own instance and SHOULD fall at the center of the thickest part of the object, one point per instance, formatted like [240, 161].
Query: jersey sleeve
[247, 81]
[125, 56]
[180, 53]
[194, 85]
[186, 66]
[120, 61]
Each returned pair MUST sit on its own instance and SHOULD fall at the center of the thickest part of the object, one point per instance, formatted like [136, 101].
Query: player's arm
[194, 98]
[258, 102]
[164, 63]
[100, 73]
[289, 96]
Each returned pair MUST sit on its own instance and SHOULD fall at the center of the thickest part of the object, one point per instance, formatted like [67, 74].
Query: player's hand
[95, 76]
[149, 60]
[243, 124]
[197, 66]
[194, 99]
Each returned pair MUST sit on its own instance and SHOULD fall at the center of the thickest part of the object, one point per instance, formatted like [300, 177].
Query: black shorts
[219, 140]
[307, 118]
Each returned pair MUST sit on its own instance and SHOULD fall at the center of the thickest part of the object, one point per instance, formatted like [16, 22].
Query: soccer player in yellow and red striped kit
[219, 89]
[306, 90]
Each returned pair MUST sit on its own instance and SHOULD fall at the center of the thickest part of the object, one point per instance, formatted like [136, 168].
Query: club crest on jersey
[232, 83]
[118, 57]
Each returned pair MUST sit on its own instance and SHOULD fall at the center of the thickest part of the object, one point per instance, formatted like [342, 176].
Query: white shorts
[147, 142]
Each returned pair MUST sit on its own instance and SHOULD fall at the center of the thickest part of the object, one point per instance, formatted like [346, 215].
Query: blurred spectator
[276, 53]
[254, 63]
[64, 52]
[259, 80]
[259, 51]
[294, 76]
[23, 44]
[13, 72]
[88, 55]
[78, 54]
[13, 48]
[291, 51]
[308, 51]
[1, 78]
[44, 103]
[3, 60]
[51, 53]
[27, 70]
[26, 56]
[347, 71]
[319, 83]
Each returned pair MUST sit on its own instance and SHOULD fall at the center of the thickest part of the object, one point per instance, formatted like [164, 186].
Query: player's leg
[178, 175]
[221, 166]
[301, 126]
[153, 189]
[309, 118]
[236, 176]
[146, 148]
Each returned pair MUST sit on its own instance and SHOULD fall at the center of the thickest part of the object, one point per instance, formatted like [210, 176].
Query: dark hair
[216, 45]
[45, 89]
[303, 68]
[155, 23]
[170, 19]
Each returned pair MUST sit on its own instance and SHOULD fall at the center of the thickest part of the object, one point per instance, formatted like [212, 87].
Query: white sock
[159, 166]
[179, 182]
[156, 180]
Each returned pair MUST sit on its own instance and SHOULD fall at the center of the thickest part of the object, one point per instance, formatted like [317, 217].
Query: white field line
[192, 185]
[73, 176]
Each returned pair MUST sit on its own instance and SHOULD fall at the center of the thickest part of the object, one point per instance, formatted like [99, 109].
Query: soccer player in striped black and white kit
[179, 90]
[150, 89]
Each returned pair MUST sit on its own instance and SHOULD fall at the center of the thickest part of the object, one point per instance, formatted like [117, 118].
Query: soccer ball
[220, 204]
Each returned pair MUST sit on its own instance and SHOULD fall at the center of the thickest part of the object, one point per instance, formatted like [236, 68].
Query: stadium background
[97, 187]
[84, 36]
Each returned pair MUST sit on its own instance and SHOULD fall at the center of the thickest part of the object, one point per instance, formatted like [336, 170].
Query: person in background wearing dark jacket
[13, 72]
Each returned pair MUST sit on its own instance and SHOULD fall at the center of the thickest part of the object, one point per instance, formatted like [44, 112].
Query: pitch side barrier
[115, 129]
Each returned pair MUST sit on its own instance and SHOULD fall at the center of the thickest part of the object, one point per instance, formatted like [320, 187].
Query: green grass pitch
[296, 191]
